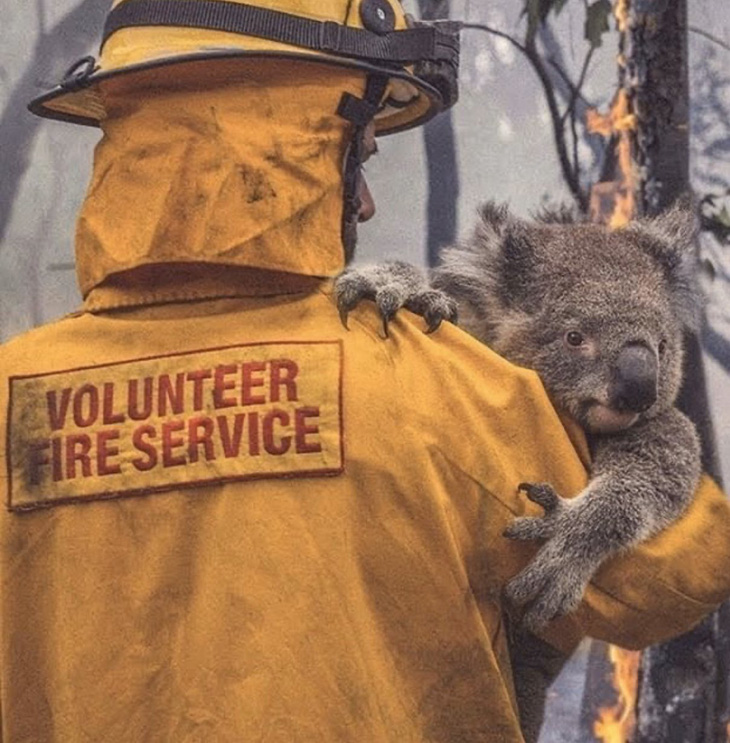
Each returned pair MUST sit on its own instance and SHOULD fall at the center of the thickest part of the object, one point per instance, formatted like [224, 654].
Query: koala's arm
[667, 584]
[642, 480]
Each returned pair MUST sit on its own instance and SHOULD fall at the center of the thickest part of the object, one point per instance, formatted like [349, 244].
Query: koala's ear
[671, 238]
[493, 263]
[513, 248]
[558, 214]
[493, 218]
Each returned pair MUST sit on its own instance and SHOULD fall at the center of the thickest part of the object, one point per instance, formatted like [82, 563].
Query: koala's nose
[634, 385]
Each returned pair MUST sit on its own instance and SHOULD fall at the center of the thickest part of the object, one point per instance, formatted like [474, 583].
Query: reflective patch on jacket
[152, 424]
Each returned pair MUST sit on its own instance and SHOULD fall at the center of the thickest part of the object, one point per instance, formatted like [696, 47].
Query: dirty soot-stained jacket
[230, 519]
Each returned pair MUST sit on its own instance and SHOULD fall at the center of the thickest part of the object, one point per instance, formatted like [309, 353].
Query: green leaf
[597, 15]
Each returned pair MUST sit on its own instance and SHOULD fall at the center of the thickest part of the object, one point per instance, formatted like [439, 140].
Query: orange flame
[621, 13]
[614, 202]
[616, 724]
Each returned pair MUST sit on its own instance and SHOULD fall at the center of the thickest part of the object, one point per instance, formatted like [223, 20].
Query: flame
[616, 724]
[614, 202]
[621, 13]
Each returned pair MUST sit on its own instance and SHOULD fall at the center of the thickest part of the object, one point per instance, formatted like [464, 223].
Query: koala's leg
[391, 286]
[642, 480]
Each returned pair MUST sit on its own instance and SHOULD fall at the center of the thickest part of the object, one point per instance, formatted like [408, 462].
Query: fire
[614, 202]
[616, 724]
[621, 13]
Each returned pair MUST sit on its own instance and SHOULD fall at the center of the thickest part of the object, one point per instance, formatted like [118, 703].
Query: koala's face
[608, 355]
[600, 315]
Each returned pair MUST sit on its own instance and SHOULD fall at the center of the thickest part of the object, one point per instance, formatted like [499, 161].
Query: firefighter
[228, 518]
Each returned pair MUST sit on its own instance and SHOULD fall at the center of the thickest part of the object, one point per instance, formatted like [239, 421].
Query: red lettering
[170, 442]
[78, 447]
[249, 382]
[197, 378]
[200, 432]
[302, 430]
[221, 384]
[133, 409]
[138, 440]
[231, 441]
[254, 449]
[268, 432]
[57, 411]
[104, 451]
[108, 415]
[37, 458]
[283, 374]
[87, 397]
[56, 448]
[175, 398]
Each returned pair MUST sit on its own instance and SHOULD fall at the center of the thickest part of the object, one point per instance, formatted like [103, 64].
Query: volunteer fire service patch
[159, 423]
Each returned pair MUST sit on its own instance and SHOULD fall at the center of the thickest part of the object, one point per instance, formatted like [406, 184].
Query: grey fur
[521, 287]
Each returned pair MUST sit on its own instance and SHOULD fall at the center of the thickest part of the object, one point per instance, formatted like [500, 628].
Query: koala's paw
[549, 587]
[434, 306]
[392, 286]
[528, 528]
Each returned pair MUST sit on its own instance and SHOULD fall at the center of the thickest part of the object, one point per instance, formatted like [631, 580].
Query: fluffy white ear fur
[671, 238]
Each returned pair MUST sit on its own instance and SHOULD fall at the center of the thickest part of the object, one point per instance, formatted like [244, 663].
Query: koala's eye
[574, 338]
[662, 347]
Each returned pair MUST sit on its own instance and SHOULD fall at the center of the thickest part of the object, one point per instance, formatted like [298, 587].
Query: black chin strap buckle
[358, 111]
[77, 76]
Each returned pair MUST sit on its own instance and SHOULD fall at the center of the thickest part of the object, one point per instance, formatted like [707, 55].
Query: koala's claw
[434, 306]
[350, 290]
[542, 494]
[344, 312]
[529, 528]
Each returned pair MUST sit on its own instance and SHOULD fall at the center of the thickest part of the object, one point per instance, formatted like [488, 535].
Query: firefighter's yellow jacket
[230, 519]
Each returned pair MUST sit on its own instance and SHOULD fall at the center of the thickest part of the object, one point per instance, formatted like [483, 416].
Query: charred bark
[443, 178]
[683, 683]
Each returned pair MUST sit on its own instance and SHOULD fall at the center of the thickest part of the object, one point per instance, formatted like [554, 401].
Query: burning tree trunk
[681, 688]
[443, 179]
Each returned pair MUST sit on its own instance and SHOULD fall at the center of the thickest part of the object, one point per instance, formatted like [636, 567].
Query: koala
[600, 315]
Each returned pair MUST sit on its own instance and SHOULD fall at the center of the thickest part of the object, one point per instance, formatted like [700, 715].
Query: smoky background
[498, 143]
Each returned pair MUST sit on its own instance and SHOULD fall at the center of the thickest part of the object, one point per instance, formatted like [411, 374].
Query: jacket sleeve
[668, 584]
[655, 591]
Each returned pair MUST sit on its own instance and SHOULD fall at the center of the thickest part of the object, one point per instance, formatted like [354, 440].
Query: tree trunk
[683, 683]
[443, 178]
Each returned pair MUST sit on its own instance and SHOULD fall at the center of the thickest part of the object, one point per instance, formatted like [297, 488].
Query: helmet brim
[81, 103]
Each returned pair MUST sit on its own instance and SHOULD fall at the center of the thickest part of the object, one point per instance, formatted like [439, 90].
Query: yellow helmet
[419, 61]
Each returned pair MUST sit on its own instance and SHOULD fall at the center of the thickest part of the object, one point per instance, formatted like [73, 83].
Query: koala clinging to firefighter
[600, 315]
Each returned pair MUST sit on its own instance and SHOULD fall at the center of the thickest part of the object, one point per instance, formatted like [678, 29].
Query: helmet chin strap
[360, 112]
